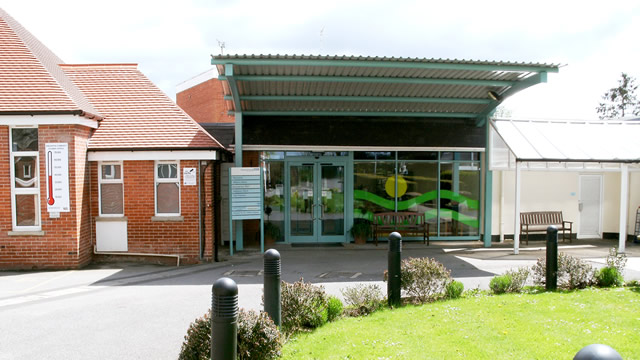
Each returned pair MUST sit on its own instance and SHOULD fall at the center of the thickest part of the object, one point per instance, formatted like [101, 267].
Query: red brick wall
[205, 102]
[66, 242]
[144, 234]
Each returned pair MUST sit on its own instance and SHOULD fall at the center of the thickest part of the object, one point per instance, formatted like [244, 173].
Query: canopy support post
[516, 222]
[624, 206]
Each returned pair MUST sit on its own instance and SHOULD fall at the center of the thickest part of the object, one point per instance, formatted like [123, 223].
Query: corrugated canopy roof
[564, 142]
[371, 86]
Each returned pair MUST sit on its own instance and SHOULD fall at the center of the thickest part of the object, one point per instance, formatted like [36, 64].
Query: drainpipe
[501, 206]
[216, 213]
[202, 202]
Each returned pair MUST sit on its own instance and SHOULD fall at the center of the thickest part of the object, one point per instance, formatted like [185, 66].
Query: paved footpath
[134, 311]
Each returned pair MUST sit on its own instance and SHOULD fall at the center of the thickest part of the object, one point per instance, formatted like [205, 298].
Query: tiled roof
[30, 79]
[138, 115]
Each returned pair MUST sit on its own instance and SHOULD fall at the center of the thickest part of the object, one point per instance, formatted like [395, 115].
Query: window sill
[111, 218]
[167, 218]
[26, 233]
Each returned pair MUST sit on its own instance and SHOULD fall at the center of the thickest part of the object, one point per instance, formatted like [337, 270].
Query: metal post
[597, 352]
[552, 258]
[224, 319]
[272, 285]
[394, 258]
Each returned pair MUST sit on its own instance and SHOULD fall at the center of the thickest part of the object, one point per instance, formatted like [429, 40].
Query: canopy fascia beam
[372, 80]
[385, 63]
[233, 86]
[361, 113]
[538, 78]
[361, 98]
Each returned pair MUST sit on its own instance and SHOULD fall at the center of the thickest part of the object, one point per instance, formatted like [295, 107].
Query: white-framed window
[167, 188]
[25, 187]
[111, 189]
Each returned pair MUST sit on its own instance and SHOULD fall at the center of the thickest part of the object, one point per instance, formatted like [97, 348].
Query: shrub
[511, 282]
[304, 306]
[454, 290]
[258, 337]
[632, 283]
[362, 299]
[423, 279]
[573, 273]
[500, 284]
[334, 308]
[608, 277]
[197, 342]
[616, 260]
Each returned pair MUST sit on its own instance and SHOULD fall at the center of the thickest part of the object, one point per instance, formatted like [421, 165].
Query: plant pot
[360, 240]
[269, 240]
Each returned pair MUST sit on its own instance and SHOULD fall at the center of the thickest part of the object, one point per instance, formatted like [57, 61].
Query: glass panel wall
[418, 190]
[373, 188]
[469, 191]
[445, 186]
[274, 199]
[459, 199]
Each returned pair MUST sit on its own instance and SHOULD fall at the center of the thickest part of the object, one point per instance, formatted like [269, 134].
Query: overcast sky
[172, 40]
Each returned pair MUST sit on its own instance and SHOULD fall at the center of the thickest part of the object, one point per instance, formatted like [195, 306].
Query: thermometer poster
[57, 177]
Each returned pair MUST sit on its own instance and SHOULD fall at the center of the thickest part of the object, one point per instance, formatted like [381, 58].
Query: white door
[590, 206]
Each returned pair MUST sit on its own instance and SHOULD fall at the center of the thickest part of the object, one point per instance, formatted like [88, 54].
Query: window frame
[35, 190]
[111, 180]
[158, 180]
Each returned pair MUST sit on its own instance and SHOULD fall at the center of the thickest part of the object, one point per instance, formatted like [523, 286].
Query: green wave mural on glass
[431, 195]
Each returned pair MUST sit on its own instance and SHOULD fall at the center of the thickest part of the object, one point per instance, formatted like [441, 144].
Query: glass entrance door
[316, 201]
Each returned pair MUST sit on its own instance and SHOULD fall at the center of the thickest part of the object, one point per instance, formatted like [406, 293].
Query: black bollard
[597, 352]
[394, 258]
[224, 320]
[272, 285]
[552, 258]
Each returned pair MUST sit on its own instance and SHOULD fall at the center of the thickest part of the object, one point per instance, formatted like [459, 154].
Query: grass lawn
[512, 326]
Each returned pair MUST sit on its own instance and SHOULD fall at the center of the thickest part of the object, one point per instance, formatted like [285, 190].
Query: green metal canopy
[295, 85]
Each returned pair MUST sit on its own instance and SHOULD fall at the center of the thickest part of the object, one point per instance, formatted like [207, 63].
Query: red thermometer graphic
[51, 200]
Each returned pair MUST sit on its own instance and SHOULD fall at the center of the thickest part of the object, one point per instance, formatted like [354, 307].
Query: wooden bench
[406, 223]
[538, 221]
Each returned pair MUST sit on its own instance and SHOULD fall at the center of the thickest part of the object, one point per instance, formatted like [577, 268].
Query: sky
[172, 41]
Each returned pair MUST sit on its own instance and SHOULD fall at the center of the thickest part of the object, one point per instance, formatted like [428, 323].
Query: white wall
[634, 200]
[611, 203]
[540, 191]
[551, 190]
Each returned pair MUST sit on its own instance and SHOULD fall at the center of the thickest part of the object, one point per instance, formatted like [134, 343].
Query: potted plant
[361, 231]
[271, 233]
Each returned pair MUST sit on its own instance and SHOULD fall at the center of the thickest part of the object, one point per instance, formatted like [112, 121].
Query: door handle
[579, 205]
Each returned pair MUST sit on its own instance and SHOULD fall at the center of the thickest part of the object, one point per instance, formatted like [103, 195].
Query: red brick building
[97, 162]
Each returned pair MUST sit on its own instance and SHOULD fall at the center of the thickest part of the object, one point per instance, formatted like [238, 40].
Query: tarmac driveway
[134, 311]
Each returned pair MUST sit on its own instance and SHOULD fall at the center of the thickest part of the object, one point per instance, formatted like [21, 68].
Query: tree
[621, 100]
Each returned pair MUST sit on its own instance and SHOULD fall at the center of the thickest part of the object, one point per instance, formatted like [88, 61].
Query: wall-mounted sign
[57, 177]
[246, 195]
[189, 176]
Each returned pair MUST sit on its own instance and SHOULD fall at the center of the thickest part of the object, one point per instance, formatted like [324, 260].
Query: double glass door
[316, 201]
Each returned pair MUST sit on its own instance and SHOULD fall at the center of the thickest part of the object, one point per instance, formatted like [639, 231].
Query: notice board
[246, 199]
[246, 194]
